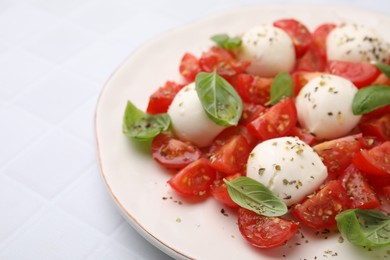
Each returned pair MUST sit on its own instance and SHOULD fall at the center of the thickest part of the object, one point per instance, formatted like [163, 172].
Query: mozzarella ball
[189, 120]
[269, 49]
[356, 43]
[324, 106]
[288, 167]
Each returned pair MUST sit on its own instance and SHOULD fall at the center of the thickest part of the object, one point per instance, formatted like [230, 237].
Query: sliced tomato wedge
[231, 157]
[358, 189]
[319, 36]
[337, 154]
[378, 127]
[220, 192]
[250, 111]
[173, 153]
[189, 66]
[265, 232]
[303, 135]
[161, 99]
[319, 210]
[298, 32]
[278, 121]
[301, 78]
[253, 89]
[195, 179]
[360, 73]
[311, 61]
[375, 161]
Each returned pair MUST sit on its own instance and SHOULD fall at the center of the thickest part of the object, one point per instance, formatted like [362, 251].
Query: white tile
[126, 236]
[106, 55]
[103, 16]
[19, 69]
[61, 42]
[17, 204]
[60, 8]
[81, 121]
[111, 250]
[89, 201]
[19, 22]
[55, 235]
[18, 130]
[58, 95]
[51, 164]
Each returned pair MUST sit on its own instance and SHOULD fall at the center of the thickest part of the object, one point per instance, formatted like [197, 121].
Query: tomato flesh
[253, 89]
[173, 153]
[378, 127]
[319, 37]
[319, 210]
[161, 99]
[278, 121]
[265, 232]
[195, 179]
[375, 161]
[220, 192]
[189, 67]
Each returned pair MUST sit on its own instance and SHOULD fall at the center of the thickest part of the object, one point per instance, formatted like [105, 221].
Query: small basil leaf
[384, 68]
[226, 42]
[369, 228]
[143, 126]
[370, 98]
[252, 195]
[219, 99]
[282, 86]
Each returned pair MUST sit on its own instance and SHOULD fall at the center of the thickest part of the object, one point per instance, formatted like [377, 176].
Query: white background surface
[55, 57]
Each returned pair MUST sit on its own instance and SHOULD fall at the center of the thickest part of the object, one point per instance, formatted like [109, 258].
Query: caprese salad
[281, 120]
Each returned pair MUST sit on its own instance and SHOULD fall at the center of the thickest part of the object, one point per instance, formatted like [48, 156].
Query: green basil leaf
[219, 99]
[226, 42]
[143, 126]
[282, 86]
[384, 68]
[370, 98]
[253, 195]
[364, 227]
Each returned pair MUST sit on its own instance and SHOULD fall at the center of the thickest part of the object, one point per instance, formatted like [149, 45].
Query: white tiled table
[55, 56]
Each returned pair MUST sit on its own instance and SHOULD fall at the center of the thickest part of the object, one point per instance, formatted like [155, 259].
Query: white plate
[138, 185]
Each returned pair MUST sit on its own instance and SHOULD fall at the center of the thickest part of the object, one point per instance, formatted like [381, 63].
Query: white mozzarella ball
[189, 120]
[356, 43]
[269, 49]
[288, 167]
[324, 106]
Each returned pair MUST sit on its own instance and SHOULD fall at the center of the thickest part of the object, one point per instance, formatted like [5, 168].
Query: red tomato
[160, 100]
[319, 210]
[337, 154]
[299, 34]
[382, 79]
[189, 66]
[311, 61]
[304, 135]
[231, 157]
[319, 37]
[378, 127]
[253, 89]
[227, 133]
[265, 232]
[195, 179]
[375, 161]
[278, 121]
[173, 153]
[223, 61]
[250, 111]
[359, 191]
[360, 73]
[300, 79]
[219, 191]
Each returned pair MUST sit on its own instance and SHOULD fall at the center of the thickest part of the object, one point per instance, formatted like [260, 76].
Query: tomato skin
[337, 154]
[298, 32]
[278, 121]
[250, 111]
[375, 161]
[319, 37]
[304, 135]
[195, 179]
[360, 73]
[173, 153]
[265, 232]
[231, 157]
[161, 99]
[319, 210]
[378, 127]
[253, 89]
[227, 133]
[300, 79]
[189, 66]
[358, 189]
[311, 61]
[220, 192]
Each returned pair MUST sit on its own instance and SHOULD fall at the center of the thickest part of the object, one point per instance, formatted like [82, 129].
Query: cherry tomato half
[161, 99]
[189, 67]
[219, 191]
[375, 161]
